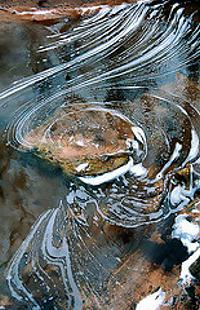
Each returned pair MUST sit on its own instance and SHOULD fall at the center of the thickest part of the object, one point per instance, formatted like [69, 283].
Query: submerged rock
[87, 141]
[51, 11]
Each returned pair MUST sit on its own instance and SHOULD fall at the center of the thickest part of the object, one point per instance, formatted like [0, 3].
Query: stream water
[139, 61]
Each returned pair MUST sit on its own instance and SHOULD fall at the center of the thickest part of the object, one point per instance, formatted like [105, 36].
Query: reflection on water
[137, 63]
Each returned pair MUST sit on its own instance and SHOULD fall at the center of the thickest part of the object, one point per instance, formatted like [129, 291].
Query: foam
[187, 232]
[137, 170]
[152, 302]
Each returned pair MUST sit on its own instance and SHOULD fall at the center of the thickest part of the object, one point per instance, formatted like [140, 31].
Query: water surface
[141, 61]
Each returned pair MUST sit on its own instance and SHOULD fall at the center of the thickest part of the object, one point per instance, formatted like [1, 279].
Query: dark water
[140, 61]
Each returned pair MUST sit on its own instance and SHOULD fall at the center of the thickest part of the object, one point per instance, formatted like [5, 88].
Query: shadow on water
[136, 65]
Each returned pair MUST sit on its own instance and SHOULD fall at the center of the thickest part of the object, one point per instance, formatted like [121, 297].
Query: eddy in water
[122, 123]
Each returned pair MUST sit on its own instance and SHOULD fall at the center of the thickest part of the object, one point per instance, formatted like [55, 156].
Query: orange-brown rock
[52, 10]
[84, 141]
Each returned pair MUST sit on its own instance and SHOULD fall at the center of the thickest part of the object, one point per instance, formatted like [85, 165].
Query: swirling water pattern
[124, 59]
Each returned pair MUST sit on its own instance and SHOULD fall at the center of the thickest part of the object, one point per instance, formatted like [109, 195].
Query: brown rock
[52, 10]
[84, 141]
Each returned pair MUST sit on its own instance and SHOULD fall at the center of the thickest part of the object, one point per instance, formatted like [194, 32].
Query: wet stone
[86, 141]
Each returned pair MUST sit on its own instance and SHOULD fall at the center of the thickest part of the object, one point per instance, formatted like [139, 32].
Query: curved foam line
[137, 170]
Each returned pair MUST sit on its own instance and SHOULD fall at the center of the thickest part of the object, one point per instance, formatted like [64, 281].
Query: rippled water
[139, 62]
